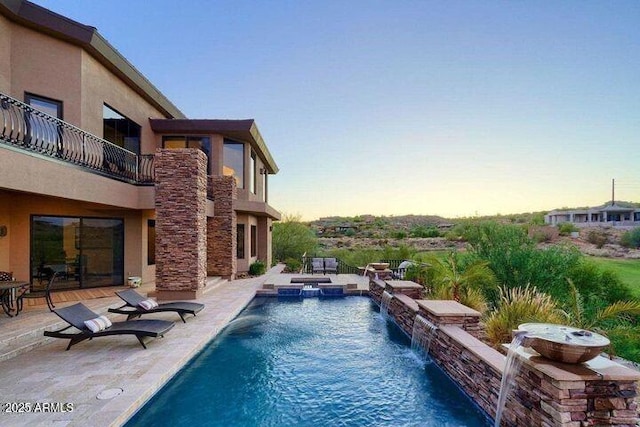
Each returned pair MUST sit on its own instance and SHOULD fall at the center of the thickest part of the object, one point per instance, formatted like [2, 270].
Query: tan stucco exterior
[53, 57]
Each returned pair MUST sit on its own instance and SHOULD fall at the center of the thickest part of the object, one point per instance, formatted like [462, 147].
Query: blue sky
[453, 108]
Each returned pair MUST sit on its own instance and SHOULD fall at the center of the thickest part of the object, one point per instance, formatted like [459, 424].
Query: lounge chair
[317, 265]
[330, 265]
[76, 315]
[133, 309]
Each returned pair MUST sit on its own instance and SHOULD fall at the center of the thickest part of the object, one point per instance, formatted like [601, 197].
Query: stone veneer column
[221, 229]
[181, 239]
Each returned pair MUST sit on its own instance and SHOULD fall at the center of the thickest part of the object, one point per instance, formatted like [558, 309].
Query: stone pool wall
[546, 393]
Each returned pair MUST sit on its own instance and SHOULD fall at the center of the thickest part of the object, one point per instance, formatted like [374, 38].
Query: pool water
[310, 362]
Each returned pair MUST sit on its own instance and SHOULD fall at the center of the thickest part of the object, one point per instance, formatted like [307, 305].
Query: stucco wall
[100, 86]
[5, 52]
[48, 67]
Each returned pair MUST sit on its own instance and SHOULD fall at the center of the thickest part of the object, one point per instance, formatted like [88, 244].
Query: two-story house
[102, 177]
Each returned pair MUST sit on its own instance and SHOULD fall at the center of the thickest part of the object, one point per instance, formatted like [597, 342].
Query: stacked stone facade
[181, 224]
[546, 393]
[221, 229]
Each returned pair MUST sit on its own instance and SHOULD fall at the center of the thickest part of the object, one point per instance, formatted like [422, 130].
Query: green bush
[597, 237]
[292, 238]
[293, 265]
[257, 268]
[566, 228]
[631, 239]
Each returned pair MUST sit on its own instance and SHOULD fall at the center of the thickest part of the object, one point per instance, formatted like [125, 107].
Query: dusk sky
[452, 108]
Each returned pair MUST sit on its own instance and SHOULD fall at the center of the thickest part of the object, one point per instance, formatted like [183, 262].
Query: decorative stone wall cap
[447, 308]
[596, 369]
[408, 301]
[489, 355]
[402, 284]
[378, 282]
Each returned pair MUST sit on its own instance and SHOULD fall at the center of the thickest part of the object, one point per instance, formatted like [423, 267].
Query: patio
[109, 378]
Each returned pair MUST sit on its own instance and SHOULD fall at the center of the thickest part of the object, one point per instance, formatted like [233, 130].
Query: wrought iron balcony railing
[26, 128]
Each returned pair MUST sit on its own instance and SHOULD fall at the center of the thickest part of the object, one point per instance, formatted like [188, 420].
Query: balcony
[25, 129]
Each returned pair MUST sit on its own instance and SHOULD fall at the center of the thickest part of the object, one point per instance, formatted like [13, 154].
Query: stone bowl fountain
[562, 343]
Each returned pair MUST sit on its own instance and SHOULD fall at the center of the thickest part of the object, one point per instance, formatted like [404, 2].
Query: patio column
[222, 229]
[181, 224]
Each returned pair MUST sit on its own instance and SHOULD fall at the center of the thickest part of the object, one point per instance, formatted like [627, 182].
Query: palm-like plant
[452, 279]
[614, 315]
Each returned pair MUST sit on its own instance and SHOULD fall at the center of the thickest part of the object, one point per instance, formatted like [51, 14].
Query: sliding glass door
[85, 252]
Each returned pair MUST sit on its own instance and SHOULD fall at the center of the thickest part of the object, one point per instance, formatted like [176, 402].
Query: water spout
[384, 304]
[511, 369]
[421, 336]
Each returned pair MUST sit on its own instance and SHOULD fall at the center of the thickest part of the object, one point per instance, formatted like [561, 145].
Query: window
[265, 188]
[201, 142]
[46, 105]
[240, 241]
[120, 130]
[234, 161]
[42, 132]
[252, 172]
[151, 242]
[254, 240]
[85, 252]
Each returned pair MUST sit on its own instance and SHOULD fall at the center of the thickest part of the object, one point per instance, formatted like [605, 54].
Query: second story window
[42, 131]
[201, 142]
[234, 161]
[120, 130]
[46, 105]
[252, 172]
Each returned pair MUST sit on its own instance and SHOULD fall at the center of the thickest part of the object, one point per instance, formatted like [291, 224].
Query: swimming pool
[310, 362]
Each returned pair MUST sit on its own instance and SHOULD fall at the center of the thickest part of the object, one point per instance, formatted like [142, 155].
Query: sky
[451, 108]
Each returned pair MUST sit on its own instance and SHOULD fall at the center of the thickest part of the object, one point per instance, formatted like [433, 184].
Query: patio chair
[133, 307]
[317, 265]
[76, 315]
[330, 265]
[45, 293]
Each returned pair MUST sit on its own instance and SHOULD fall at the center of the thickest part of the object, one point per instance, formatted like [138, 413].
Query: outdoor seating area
[324, 266]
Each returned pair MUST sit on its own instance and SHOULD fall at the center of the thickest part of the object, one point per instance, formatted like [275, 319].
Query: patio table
[8, 294]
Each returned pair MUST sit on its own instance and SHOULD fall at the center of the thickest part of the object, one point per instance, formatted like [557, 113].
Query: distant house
[617, 214]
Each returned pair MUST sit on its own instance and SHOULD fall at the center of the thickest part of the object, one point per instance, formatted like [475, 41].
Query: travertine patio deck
[51, 375]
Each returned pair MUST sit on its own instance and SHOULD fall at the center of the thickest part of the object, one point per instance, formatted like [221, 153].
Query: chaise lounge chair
[76, 315]
[132, 307]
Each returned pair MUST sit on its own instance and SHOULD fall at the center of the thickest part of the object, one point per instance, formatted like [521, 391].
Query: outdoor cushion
[5, 276]
[148, 304]
[98, 324]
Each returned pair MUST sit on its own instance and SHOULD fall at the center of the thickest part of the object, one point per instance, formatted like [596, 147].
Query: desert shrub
[517, 306]
[597, 237]
[257, 268]
[293, 265]
[542, 234]
[292, 238]
[422, 231]
[566, 228]
[631, 239]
